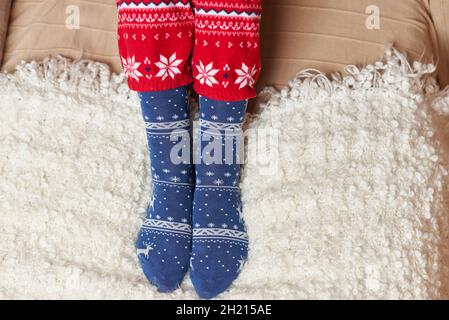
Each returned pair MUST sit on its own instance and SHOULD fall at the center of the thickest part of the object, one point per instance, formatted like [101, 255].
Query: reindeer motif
[145, 251]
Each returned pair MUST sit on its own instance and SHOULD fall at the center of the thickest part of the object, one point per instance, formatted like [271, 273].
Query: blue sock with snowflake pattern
[220, 242]
[164, 241]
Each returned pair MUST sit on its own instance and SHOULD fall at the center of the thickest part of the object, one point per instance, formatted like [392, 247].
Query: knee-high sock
[220, 243]
[164, 241]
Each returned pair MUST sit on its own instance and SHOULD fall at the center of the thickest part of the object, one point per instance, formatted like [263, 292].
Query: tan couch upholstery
[439, 10]
[5, 6]
[38, 29]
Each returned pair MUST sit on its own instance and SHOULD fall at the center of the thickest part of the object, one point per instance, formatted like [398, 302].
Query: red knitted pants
[164, 44]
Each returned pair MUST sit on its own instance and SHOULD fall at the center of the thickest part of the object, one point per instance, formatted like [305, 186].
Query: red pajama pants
[165, 44]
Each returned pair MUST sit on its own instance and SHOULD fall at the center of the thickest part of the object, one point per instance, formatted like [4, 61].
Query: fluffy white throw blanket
[351, 204]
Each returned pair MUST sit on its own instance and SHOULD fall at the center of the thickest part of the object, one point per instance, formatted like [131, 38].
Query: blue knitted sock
[164, 241]
[220, 242]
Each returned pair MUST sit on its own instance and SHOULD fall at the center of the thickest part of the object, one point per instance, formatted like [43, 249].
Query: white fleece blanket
[350, 205]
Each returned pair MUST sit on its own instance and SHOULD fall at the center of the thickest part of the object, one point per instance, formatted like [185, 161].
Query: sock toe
[210, 287]
[164, 281]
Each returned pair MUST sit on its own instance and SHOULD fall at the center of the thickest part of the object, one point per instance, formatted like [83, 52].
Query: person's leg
[164, 241]
[220, 242]
[155, 43]
[226, 65]
[226, 54]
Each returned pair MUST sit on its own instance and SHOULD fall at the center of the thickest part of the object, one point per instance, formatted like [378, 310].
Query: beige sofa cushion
[297, 34]
[329, 34]
[5, 6]
[38, 29]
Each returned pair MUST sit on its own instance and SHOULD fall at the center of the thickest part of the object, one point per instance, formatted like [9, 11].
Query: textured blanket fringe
[80, 77]
[89, 78]
[393, 71]
[440, 102]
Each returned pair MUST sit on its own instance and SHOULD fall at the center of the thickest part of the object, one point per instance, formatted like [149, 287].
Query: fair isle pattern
[153, 5]
[217, 233]
[167, 125]
[219, 125]
[155, 40]
[225, 13]
[154, 20]
[230, 23]
[240, 5]
[227, 31]
[228, 28]
[173, 184]
[153, 14]
[175, 227]
[216, 33]
[165, 44]
[135, 22]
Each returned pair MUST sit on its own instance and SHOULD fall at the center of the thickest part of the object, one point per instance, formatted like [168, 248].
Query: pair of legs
[194, 220]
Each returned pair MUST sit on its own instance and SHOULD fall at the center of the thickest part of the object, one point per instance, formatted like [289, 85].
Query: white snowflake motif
[175, 179]
[152, 202]
[214, 117]
[228, 174]
[224, 225]
[197, 225]
[206, 74]
[130, 67]
[184, 220]
[209, 173]
[170, 218]
[211, 225]
[168, 67]
[166, 170]
[230, 119]
[241, 262]
[218, 182]
[235, 227]
[245, 76]
[159, 118]
[183, 171]
[175, 116]
[156, 177]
